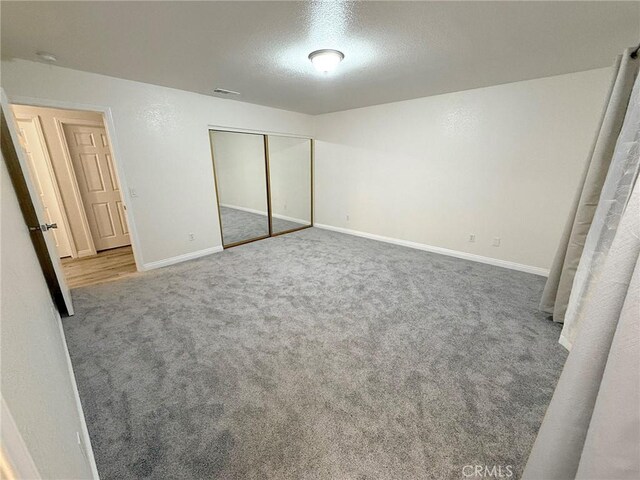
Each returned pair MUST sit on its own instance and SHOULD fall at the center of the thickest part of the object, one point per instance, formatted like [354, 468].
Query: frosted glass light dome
[326, 60]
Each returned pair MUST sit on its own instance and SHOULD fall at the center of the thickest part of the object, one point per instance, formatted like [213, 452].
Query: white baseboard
[291, 219]
[442, 251]
[180, 258]
[86, 440]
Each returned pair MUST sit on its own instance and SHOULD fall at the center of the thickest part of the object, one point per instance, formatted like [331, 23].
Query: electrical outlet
[496, 242]
[192, 237]
[347, 218]
[472, 237]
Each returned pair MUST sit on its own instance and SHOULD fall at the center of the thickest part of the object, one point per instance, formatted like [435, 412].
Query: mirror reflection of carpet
[239, 225]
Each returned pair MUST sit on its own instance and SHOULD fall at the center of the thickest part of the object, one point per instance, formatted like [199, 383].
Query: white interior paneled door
[32, 141]
[32, 208]
[98, 184]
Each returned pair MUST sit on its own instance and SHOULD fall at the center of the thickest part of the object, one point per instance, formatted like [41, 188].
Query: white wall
[290, 172]
[502, 161]
[36, 383]
[161, 142]
[241, 170]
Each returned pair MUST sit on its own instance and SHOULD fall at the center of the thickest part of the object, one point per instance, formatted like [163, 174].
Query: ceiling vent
[223, 91]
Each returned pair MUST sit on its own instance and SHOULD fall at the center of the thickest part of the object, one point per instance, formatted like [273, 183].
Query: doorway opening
[70, 162]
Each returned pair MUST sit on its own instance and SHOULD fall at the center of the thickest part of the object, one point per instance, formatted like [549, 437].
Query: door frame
[15, 458]
[109, 126]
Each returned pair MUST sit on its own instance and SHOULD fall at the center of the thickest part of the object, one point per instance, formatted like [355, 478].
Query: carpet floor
[313, 355]
[238, 225]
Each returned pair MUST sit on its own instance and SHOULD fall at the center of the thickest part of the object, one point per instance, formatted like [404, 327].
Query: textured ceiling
[393, 50]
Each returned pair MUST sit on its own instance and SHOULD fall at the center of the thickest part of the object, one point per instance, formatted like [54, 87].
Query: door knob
[44, 227]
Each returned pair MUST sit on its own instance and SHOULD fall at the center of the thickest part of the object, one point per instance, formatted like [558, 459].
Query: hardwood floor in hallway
[106, 266]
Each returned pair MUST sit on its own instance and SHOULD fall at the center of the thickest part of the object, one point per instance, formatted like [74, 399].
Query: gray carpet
[238, 225]
[313, 355]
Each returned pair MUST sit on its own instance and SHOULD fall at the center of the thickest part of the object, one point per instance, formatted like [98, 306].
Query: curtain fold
[615, 194]
[592, 426]
[557, 290]
[614, 415]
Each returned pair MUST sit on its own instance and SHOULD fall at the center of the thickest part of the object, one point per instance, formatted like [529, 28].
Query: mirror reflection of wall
[239, 160]
[290, 182]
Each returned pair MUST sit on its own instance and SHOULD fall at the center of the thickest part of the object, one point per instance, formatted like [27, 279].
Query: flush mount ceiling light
[326, 60]
[47, 57]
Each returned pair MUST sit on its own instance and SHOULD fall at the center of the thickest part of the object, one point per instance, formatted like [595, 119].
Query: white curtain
[557, 290]
[614, 197]
[592, 427]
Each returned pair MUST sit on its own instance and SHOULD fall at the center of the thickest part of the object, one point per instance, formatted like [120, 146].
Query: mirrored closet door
[241, 172]
[263, 184]
[290, 183]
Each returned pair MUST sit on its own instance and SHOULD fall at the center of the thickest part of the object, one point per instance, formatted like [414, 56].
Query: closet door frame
[265, 137]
